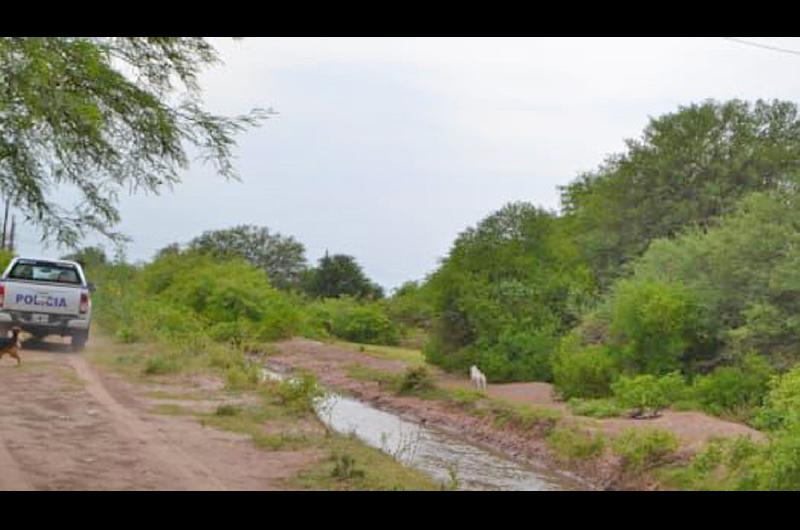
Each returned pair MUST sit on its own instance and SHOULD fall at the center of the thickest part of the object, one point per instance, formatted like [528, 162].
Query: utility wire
[764, 46]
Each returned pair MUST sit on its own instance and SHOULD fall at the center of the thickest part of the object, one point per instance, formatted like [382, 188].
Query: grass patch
[645, 448]
[361, 372]
[595, 408]
[161, 364]
[171, 409]
[256, 422]
[228, 410]
[411, 356]
[184, 396]
[572, 443]
[351, 465]
[465, 399]
[298, 394]
[522, 417]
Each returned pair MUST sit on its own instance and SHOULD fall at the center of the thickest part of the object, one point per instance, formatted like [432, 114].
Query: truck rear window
[44, 272]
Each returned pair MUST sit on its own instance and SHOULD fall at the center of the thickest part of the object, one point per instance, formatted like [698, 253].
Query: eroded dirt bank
[332, 365]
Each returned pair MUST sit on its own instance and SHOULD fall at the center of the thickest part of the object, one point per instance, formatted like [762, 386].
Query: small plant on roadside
[299, 394]
[160, 364]
[125, 335]
[241, 377]
[344, 468]
[453, 482]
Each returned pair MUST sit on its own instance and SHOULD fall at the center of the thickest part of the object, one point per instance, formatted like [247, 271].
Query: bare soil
[67, 425]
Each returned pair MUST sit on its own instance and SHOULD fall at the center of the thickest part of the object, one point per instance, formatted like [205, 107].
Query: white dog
[477, 377]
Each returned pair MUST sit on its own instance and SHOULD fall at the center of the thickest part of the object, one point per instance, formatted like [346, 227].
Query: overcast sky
[387, 148]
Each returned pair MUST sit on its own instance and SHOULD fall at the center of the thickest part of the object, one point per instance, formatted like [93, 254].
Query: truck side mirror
[92, 287]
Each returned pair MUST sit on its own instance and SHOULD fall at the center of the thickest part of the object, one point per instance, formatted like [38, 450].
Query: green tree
[687, 168]
[340, 275]
[507, 290]
[282, 257]
[89, 257]
[101, 116]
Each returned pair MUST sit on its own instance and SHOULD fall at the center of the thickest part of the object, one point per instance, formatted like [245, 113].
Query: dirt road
[65, 425]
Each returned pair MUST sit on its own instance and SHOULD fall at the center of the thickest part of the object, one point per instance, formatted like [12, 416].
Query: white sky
[387, 148]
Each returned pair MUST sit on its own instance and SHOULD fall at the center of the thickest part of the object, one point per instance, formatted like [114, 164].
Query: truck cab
[46, 297]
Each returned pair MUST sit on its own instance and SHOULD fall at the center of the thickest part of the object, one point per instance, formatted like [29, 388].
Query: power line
[763, 46]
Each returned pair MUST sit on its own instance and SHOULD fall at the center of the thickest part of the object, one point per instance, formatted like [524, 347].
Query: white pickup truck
[46, 297]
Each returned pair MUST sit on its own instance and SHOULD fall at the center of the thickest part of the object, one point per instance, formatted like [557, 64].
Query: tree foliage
[687, 168]
[507, 289]
[282, 257]
[99, 116]
[340, 275]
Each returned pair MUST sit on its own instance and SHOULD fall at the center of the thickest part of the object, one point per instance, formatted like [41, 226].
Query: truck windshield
[44, 272]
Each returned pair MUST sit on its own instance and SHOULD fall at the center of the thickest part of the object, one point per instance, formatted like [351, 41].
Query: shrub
[653, 323]
[573, 443]
[416, 380]
[583, 371]
[782, 404]
[518, 356]
[241, 377]
[645, 393]
[299, 394]
[436, 353]
[777, 465]
[643, 448]
[345, 468]
[5, 259]
[735, 390]
[352, 320]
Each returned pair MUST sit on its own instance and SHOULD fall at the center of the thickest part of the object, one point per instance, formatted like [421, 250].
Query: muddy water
[443, 456]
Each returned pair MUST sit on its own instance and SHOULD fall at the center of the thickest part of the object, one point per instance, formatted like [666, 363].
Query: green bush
[734, 390]
[518, 356]
[653, 323]
[642, 448]
[353, 320]
[5, 258]
[299, 394]
[416, 380]
[583, 371]
[648, 393]
[782, 404]
[573, 443]
[241, 377]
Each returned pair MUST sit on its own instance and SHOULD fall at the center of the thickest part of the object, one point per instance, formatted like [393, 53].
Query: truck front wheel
[79, 340]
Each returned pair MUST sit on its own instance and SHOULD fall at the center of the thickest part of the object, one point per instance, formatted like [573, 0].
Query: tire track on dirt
[11, 476]
[192, 474]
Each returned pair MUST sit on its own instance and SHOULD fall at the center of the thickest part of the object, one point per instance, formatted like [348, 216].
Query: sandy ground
[65, 425]
[331, 364]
